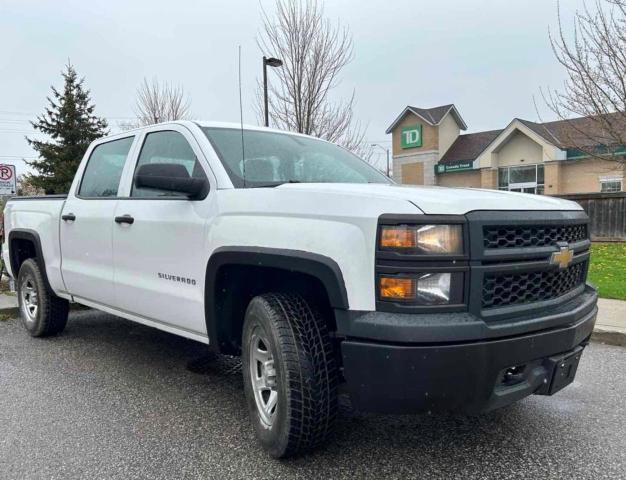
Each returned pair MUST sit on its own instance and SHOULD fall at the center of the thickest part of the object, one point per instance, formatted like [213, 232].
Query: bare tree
[314, 51]
[595, 62]
[25, 187]
[159, 102]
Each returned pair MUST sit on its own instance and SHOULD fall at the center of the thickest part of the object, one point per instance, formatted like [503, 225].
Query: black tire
[305, 373]
[50, 316]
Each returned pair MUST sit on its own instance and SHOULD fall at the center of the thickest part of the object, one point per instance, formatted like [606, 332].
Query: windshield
[275, 158]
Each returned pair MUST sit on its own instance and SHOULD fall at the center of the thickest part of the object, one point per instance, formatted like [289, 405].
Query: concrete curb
[610, 325]
[13, 312]
[9, 312]
[609, 337]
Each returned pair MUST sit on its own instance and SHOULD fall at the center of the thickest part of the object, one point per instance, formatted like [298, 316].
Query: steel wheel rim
[263, 378]
[29, 299]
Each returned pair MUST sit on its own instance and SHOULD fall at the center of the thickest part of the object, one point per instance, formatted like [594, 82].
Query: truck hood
[440, 200]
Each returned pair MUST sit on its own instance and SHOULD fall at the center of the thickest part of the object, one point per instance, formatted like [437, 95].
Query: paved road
[110, 399]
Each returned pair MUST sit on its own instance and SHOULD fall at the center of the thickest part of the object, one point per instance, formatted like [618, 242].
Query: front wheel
[289, 371]
[42, 312]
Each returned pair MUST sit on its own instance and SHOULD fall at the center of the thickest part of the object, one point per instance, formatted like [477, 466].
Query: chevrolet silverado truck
[315, 268]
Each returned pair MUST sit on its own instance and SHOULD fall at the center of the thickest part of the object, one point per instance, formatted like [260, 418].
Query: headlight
[423, 289]
[423, 239]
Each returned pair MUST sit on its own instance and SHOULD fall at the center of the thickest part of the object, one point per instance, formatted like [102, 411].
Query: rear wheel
[42, 312]
[289, 374]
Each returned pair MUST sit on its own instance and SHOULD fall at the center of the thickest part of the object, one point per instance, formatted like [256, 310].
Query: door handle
[125, 219]
[68, 217]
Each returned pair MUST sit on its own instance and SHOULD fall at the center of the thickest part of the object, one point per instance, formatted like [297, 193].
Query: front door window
[171, 147]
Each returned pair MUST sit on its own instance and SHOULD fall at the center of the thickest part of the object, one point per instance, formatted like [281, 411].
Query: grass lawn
[608, 269]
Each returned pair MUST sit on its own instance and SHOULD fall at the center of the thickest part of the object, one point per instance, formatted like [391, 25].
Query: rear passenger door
[87, 223]
[161, 257]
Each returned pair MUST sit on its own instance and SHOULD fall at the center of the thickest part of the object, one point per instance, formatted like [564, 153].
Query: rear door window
[104, 169]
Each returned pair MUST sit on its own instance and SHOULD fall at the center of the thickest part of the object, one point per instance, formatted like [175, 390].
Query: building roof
[467, 147]
[579, 132]
[571, 133]
[432, 116]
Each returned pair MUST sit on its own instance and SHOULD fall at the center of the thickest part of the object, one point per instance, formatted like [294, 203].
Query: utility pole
[387, 152]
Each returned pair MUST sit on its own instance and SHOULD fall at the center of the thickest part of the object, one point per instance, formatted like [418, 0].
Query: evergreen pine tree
[71, 124]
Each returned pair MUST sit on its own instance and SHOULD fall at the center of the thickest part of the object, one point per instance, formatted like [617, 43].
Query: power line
[9, 112]
[22, 132]
[32, 114]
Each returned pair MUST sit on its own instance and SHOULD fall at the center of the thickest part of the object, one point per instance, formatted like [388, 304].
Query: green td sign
[411, 136]
[457, 167]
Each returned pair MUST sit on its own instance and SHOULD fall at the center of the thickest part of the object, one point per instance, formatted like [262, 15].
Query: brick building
[429, 148]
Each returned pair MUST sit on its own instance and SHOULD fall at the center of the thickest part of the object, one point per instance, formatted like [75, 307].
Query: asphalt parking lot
[112, 399]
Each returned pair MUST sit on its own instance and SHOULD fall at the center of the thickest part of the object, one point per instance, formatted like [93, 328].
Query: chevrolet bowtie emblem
[563, 257]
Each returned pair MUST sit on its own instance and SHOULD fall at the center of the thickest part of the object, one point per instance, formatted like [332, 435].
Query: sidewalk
[610, 325]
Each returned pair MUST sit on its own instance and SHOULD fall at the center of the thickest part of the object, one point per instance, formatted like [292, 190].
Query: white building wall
[448, 133]
[519, 149]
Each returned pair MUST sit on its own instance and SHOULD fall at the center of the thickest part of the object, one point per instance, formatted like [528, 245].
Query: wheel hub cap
[263, 376]
[30, 300]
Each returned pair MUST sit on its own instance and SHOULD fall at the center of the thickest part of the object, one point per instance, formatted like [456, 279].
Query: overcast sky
[488, 57]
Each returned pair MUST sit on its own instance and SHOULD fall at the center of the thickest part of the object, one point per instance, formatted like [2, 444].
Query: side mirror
[170, 177]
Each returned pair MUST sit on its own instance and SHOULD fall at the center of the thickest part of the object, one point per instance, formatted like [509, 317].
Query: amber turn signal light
[397, 288]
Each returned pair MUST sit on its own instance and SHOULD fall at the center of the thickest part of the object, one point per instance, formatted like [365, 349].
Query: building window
[611, 185]
[503, 178]
[523, 178]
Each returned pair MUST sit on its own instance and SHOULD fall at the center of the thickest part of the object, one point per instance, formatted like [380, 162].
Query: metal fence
[607, 214]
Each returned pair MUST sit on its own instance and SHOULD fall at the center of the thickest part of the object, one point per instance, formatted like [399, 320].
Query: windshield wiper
[272, 184]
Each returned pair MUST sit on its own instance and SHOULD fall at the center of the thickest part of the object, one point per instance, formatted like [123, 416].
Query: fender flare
[318, 266]
[33, 236]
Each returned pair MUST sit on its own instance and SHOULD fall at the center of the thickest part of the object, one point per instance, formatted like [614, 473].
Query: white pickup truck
[315, 268]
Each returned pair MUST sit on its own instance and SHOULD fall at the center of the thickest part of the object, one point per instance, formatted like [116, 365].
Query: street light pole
[387, 152]
[265, 109]
[388, 166]
[272, 62]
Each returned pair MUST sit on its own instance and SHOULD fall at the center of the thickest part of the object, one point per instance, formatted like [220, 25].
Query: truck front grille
[516, 236]
[503, 289]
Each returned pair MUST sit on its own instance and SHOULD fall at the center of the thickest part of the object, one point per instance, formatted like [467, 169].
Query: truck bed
[37, 216]
[39, 197]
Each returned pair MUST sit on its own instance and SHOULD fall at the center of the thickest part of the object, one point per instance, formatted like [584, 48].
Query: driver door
[161, 255]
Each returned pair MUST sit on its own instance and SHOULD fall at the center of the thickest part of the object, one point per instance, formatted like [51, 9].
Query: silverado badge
[563, 257]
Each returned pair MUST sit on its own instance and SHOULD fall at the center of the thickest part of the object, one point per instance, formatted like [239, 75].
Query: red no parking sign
[8, 183]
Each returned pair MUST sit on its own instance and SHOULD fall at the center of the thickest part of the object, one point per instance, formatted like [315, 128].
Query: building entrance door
[526, 187]
[521, 178]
